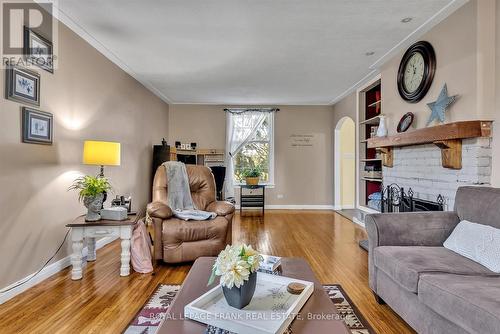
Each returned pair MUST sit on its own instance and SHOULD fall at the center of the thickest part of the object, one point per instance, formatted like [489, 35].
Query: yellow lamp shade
[103, 153]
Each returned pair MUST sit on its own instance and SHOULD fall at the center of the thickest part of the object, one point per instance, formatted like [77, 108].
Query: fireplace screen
[395, 199]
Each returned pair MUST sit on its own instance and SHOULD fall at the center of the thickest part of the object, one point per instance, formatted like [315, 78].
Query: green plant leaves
[90, 186]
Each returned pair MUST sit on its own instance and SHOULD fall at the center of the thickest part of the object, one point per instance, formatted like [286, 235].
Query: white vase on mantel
[382, 127]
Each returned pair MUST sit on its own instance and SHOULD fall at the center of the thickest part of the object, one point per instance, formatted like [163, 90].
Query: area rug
[149, 318]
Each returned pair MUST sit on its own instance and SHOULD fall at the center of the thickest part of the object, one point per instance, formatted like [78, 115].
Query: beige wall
[454, 41]
[467, 46]
[90, 98]
[304, 176]
[201, 124]
[348, 162]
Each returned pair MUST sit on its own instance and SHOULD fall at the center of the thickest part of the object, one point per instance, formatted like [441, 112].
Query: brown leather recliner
[176, 240]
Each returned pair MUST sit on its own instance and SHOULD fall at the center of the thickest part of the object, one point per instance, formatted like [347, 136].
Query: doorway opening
[345, 164]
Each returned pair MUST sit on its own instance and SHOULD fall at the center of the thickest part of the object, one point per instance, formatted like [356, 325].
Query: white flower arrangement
[234, 265]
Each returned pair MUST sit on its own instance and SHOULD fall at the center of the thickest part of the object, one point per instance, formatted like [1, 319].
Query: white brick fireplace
[419, 168]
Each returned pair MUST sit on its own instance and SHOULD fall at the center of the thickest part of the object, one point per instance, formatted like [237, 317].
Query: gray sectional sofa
[432, 288]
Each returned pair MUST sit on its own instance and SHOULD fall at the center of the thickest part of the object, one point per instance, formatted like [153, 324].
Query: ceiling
[268, 52]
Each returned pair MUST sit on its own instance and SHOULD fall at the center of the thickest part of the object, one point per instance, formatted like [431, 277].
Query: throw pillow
[480, 243]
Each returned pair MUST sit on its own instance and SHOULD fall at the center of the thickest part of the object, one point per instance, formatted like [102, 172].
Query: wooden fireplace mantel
[447, 137]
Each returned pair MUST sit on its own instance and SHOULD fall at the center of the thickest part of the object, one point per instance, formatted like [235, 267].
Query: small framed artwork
[37, 126]
[22, 86]
[405, 122]
[38, 50]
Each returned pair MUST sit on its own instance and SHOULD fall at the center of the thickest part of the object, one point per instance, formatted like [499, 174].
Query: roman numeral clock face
[416, 71]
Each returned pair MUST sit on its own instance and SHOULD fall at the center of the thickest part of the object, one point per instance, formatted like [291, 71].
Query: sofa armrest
[406, 229]
[410, 229]
[159, 210]
[221, 208]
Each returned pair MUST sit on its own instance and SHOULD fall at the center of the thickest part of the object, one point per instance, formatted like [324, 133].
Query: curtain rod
[243, 110]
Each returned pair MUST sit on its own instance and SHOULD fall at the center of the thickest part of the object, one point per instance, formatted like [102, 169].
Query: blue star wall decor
[439, 107]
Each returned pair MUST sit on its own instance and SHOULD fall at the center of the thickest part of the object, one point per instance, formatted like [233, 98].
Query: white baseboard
[348, 207]
[47, 272]
[295, 207]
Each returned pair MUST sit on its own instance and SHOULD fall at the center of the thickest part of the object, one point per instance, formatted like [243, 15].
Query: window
[253, 139]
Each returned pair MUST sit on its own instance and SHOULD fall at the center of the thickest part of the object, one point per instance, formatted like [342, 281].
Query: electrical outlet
[280, 196]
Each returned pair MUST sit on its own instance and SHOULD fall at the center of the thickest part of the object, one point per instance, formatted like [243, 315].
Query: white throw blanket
[179, 194]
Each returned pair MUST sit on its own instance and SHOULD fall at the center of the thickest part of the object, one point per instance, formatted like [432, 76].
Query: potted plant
[252, 175]
[92, 191]
[237, 267]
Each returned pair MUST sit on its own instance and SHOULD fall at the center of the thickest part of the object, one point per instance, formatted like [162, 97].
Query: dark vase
[241, 297]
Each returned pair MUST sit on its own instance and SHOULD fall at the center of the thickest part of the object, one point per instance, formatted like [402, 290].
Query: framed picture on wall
[38, 50]
[22, 86]
[38, 126]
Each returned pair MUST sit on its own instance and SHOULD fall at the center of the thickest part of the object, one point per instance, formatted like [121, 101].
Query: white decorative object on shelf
[271, 310]
[382, 127]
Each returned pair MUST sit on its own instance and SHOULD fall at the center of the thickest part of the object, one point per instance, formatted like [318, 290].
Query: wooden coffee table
[317, 316]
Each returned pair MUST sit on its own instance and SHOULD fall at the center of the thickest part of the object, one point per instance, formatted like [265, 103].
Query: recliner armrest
[221, 208]
[159, 210]
[410, 229]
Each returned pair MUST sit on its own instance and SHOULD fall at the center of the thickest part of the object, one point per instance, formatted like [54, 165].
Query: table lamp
[101, 153]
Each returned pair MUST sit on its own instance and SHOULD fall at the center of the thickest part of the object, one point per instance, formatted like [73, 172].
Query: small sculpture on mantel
[438, 107]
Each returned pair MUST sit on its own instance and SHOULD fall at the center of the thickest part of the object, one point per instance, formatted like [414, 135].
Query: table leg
[125, 235]
[76, 257]
[91, 256]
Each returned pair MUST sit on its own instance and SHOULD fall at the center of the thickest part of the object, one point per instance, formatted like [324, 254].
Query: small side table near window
[80, 229]
[252, 196]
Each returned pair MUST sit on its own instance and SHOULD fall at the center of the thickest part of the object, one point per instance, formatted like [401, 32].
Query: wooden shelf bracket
[451, 153]
[387, 156]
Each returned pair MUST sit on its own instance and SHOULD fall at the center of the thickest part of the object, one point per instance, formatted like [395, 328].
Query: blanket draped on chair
[179, 194]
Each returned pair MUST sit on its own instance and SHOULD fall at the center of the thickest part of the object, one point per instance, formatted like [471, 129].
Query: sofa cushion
[472, 302]
[405, 264]
[176, 231]
[480, 243]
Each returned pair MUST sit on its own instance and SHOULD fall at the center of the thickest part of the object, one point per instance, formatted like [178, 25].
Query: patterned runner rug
[149, 318]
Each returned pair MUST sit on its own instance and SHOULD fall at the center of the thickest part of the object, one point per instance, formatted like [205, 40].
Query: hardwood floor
[104, 302]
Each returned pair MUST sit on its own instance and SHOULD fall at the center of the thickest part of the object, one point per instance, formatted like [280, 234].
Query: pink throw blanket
[141, 249]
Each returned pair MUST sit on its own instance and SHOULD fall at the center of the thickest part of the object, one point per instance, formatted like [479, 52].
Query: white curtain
[240, 127]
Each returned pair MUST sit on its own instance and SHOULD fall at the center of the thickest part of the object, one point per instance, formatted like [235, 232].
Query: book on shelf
[270, 263]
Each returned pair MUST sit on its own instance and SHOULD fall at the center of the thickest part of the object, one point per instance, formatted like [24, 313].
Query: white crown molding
[47, 272]
[405, 43]
[80, 31]
[353, 88]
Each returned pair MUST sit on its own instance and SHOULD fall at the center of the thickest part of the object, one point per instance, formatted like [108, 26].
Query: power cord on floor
[46, 263]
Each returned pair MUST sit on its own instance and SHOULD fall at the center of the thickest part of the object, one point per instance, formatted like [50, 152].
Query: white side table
[80, 229]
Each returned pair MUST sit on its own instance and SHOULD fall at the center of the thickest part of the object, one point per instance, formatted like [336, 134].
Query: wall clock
[416, 71]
